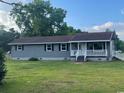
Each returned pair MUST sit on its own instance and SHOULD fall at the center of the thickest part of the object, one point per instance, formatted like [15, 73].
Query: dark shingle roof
[84, 36]
[93, 36]
[43, 39]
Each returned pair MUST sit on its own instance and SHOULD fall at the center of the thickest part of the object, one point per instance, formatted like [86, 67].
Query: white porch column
[85, 51]
[111, 51]
[78, 46]
[106, 48]
[70, 50]
[70, 47]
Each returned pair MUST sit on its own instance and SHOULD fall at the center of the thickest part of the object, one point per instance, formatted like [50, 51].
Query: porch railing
[76, 52]
[89, 53]
[97, 52]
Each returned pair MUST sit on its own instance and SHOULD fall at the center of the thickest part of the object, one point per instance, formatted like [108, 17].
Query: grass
[63, 77]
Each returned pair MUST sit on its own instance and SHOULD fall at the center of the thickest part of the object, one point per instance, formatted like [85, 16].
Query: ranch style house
[84, 46]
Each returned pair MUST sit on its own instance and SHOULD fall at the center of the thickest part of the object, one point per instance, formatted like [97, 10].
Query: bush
[2, 65]
[33, 59]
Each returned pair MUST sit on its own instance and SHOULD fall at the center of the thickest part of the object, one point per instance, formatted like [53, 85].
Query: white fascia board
[58, 42]
[91, 41]
[36, 43]
[111, 36]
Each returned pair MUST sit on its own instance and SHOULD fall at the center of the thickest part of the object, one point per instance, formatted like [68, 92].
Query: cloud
[7, 7]
[117, 26]
[6, 20]
[103, 27]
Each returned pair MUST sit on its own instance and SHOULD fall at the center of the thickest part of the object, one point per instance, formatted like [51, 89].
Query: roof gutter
[35, 43]
[58, 42]
[91, 41]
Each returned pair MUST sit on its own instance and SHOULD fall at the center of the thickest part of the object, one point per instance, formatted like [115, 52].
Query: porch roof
[83, 36]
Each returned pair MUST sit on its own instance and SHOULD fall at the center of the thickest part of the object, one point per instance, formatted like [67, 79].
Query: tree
[67, 30]
[2, 66]
[6, 2]
[39, 18]
[6, 37]
[119, 44]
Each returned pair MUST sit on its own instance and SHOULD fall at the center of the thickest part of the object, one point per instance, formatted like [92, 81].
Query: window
[49, 47]
[63, 47]
[96, 46]
[90, 46]
[99, 46]
[19, 48]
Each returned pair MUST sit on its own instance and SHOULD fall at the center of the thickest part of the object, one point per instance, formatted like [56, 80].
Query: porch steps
[80, 59]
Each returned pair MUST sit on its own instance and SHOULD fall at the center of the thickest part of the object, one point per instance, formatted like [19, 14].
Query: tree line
[40, 18]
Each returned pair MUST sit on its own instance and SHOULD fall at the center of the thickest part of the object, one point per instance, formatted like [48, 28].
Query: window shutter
[67, 47]
[59, 47]
[44, 47]
[52, 47]
[22, 47]
[15, 47]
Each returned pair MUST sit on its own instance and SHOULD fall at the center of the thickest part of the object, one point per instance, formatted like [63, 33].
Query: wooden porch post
[70, 47]
[70, 50]
[78, 46]
[85, 54]
[106, 48]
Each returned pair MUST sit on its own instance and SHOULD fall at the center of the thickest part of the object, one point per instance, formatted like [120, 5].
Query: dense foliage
[2, 65]
[119, 44]
[39, 18]
[6, 37]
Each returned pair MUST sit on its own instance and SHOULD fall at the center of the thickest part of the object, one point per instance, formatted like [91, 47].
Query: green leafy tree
[6, 37]
[119, 44]
[2, 66]
[67, 30]
[39, 18]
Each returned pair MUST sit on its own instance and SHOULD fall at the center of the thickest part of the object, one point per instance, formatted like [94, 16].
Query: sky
[87, 15]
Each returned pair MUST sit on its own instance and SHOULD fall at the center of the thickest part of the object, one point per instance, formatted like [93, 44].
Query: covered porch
[88, 49]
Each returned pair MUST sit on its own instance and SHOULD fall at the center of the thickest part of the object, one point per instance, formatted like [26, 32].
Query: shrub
[2, 65]
[33, 59]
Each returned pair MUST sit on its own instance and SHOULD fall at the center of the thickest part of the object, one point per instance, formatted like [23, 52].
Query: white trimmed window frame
[63, 47]
[49, 47]
[19, 47]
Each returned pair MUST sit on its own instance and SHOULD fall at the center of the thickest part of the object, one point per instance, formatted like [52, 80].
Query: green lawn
[63, 77]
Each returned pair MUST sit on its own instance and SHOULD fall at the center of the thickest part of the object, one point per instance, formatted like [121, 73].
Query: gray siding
[38, 51]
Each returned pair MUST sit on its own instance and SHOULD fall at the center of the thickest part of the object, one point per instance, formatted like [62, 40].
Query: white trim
[90, 41]
[47, 47]
[78, 46]
[57, 42]
[106, 49]
[98, 51]
[36, 43]
[18, 47]
[65, 47]
[111, 36]
[85, 52]
[70, 47]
